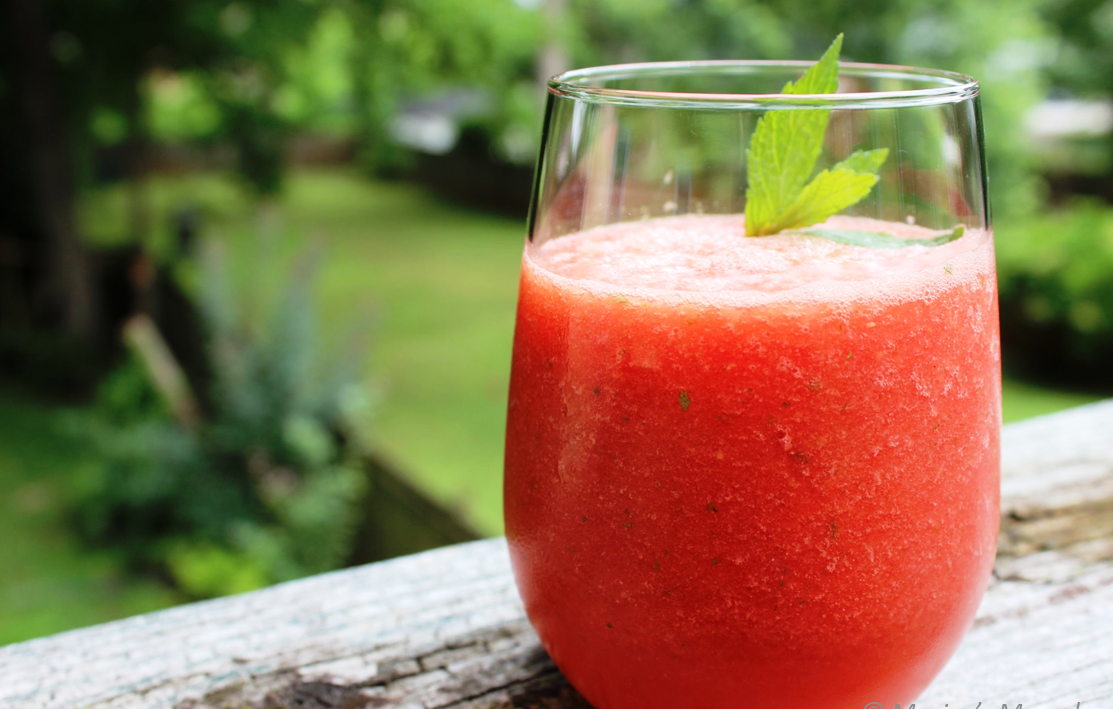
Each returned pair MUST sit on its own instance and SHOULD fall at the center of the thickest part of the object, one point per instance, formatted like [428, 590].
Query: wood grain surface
[446, 629]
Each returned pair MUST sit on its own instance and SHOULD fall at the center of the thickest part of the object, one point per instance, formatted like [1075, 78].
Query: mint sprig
[782, 154]
[881, 240]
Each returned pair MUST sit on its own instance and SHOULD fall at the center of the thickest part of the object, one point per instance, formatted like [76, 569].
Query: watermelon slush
[752, 471]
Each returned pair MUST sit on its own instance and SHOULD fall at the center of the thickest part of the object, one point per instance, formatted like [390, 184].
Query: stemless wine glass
[753, 471]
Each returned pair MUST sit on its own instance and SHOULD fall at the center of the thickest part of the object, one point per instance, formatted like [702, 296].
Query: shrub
[1056, 279]
[266, 484]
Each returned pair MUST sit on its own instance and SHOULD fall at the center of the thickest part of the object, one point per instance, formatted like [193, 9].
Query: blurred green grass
[1021, 401]
[48, 582]
[433, 284]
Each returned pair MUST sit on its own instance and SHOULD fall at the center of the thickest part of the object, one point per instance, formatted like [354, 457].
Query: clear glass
[747, 471]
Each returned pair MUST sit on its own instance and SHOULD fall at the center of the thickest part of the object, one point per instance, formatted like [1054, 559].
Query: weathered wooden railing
[445, 628]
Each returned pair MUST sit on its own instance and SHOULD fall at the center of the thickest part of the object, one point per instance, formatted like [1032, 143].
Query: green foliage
[881, 240]
[782, 155]
[254, 71]
[1057, 295]
[394, 255]
[829, 192]
[1083, 60]
[182, 69]
[1005, 44]
[610, 31]
[267, 487]
[50, 582]
[259, 135]
[411, 47]
[785, 146]
[180, 108]
[343, 68]
[316, 92]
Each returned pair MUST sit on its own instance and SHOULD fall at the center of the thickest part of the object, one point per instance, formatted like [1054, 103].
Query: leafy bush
[1056, 277]
[267, 485]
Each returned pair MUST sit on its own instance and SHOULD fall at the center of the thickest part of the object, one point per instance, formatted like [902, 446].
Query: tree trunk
[64, 296]
[135, 150]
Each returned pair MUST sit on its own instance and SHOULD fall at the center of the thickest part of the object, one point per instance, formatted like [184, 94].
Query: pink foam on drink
[712, 254]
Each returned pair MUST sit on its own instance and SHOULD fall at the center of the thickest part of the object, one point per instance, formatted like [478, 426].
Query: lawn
[434, 286]
[1021, 401]
[49, 582]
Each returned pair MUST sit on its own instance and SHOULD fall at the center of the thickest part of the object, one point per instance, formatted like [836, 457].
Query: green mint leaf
[881, 240]
[782, 154]
[829, 193]
[785, 146]
[833, 190]
[823, 77]
[864, 161]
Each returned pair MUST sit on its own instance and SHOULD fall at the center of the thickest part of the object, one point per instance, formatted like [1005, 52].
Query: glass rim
[944, 86]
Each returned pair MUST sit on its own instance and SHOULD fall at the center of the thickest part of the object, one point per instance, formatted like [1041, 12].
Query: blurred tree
[1057, 297]
[1005, 44]
[612, 31]
[412, 46]
[250, 72]
[77, 71]
[1083, 62]
[46, 251]
[236, 47]
[362, 58]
